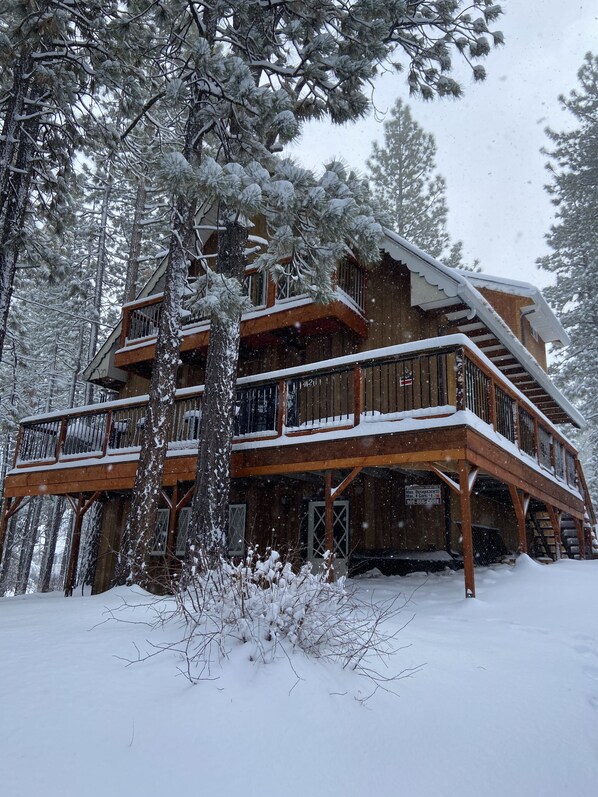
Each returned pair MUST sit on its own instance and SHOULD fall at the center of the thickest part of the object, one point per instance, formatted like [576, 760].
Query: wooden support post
[125, 325]
[71, 573]
[80, 508]
[329, 523]
[492, 403]
[460, 379]
[555, 521]
[520, 507]
[107, 431]
[466, 530]
[282, 407]
[357, 394]
[271, 288]
[11, 507]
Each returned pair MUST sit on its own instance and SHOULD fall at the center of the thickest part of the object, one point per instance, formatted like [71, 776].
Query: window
[161, 534]
[181, 532]
[236, 530]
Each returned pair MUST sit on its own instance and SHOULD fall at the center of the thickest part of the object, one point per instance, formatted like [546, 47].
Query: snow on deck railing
[414, 380]
[141, 318]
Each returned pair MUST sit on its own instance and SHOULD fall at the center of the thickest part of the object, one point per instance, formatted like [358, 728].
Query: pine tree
[409, 190]
[249, 74]
[573, 239]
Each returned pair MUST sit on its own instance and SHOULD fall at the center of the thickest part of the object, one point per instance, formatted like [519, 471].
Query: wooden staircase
[541, 540]
[542, 543]
[570, 539]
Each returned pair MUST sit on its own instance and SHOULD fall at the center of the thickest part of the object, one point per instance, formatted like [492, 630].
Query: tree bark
[7, 558]
[135, 244]
[209, 510]
[49, 553]
[30, 537]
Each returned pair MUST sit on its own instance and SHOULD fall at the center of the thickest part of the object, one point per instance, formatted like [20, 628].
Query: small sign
[423, 495]
[406, 379]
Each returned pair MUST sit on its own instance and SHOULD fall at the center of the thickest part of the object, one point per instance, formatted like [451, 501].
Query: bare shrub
[264, 604]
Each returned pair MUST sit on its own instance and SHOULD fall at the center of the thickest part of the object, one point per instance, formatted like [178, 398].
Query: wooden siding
[509, 308]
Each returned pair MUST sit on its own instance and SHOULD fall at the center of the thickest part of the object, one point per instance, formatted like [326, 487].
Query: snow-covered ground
[505, 704]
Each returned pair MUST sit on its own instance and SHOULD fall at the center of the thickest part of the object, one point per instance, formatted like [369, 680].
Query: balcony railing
[438, 378]
[141, 318]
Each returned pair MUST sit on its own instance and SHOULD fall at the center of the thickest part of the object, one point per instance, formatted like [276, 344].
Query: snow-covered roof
[538, 313]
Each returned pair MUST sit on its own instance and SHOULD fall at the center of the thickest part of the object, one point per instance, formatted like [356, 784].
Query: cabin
[408, 424]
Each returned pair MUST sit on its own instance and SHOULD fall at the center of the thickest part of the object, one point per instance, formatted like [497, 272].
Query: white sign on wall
[423, 495]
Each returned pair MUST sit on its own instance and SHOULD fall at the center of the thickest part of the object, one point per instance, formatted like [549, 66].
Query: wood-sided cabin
[410, 423]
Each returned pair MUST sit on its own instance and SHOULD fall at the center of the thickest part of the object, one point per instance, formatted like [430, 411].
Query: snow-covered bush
[264, 604]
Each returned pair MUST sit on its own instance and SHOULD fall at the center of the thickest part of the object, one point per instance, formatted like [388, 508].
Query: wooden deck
[411, 449]
[276, 308]
[428, 406]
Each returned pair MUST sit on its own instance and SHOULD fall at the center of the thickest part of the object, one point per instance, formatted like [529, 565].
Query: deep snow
[506, 704]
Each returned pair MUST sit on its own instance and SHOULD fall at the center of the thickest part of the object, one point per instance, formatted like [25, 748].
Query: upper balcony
[276, 307]
[424, 405]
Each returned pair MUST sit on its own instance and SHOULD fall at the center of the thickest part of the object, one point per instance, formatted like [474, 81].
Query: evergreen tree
[573, 239]
[409, 190]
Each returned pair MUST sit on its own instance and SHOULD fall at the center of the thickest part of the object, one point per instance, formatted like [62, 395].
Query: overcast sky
[489, 141]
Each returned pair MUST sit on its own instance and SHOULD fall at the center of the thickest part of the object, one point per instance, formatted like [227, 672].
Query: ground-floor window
[161, 533]
[237, 514]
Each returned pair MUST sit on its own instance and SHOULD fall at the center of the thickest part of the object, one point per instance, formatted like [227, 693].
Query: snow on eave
[540, 315]
[457, 283]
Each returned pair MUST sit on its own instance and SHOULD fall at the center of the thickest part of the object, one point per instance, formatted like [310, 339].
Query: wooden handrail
[332, 406]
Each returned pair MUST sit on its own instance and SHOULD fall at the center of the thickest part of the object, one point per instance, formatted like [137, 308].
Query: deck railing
[141, 318]
[390, 384]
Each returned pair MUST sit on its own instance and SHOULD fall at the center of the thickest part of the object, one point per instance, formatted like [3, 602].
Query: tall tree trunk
[49, 553]
[141, 521]
[66, 551]
[209, 510]
[16, 169]
[91, 546]
[101, 260]
[30, 537]
[135, 244]
[10, 544]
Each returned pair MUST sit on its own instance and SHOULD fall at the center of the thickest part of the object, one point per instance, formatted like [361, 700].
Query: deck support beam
[11, 507]
[80, 508]
[466, 528]
[330, 495]
[329, 524]
[520, 504]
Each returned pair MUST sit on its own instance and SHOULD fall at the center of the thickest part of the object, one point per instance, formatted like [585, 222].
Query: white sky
[489, 141]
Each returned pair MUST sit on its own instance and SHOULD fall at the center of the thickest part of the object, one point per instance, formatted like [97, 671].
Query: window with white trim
[237, 514]
[181, 532]
[161, 533]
